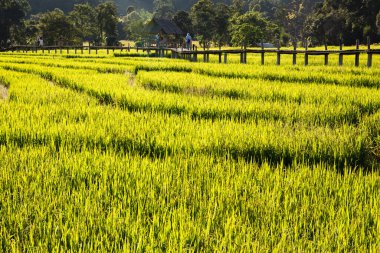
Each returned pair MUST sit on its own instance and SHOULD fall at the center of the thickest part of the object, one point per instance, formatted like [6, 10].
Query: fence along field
[145, 154]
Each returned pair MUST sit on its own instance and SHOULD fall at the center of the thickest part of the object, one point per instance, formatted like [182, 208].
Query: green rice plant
[158, 155]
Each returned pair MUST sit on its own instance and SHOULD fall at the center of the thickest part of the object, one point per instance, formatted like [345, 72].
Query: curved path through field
[3, 92]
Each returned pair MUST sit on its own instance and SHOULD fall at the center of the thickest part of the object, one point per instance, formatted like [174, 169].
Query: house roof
[165, 25]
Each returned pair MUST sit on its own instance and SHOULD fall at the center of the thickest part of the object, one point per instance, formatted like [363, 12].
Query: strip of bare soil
[3, 92]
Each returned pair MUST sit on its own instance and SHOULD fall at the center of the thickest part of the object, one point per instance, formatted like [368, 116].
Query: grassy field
[136, 154]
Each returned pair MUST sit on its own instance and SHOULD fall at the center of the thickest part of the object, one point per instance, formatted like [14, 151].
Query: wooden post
[225, 58]
[245, 57]
[75, 50]
[357, 55]
[295, 53]
[96, 50]
[89, 49]
[81, 49]
[262, 53]
[340, 54]
[60, 49]
[326, 59]
[55, 50]
[369, 43]
[129, 48]
[108, 52]
[278, 54]
[340, 59]
[195, 59]
[306, 53]
[68, 50]
[220, 57]
[369, 61]
[241, 54]
[204, 57]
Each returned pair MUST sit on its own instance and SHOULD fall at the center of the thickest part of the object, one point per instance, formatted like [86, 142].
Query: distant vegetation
[228, 22]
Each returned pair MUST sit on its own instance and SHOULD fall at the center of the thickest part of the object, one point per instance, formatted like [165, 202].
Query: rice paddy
[137, 154]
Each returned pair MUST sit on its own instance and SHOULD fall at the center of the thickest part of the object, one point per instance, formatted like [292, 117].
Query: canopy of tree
[348, 20]
[11, 14]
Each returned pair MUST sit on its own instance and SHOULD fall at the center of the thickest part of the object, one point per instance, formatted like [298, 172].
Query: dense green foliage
[84, 23]
[107, 22]
[82, 17]
[221, 22]
[99, 153]
[350, 20]
[11, 14]
[56, 28]
[250, 28]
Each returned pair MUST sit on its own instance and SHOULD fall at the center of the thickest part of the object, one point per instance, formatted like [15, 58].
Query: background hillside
[67, 5]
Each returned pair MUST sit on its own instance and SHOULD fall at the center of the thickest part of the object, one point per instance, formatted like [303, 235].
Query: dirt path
[3, 92]
[132, 78]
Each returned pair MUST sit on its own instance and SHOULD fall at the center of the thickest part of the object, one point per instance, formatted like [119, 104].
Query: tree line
[222, 22]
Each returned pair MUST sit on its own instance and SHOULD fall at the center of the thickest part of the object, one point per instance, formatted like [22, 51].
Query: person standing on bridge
[41, 42]
[158, 39]
[188, 41]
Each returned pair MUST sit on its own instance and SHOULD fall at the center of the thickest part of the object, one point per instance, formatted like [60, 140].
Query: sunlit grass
[103, 153]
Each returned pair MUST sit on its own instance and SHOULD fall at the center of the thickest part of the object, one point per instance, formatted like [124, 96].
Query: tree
[107, 21]
[130, 9]
[238, 6]
[346, 18]
[12, 12]
[66, 6]
[295, 18]
[289, 15]
[56, 28]
[378, 22]
[222, 16]
[31, 30]
[327, 27]
[183, 21]
[163, 8]
[251, 28]
[83, 18]
[133, 23]
[203, 18]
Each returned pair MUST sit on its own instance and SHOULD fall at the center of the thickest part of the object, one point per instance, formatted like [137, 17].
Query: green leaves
[251, 28]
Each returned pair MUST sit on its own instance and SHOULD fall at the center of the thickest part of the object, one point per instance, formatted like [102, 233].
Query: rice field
[100, 153]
